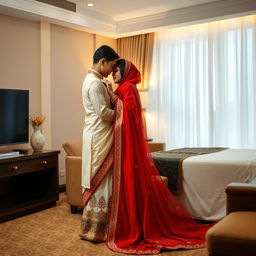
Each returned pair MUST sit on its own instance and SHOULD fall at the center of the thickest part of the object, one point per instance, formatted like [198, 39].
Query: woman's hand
[108, 85]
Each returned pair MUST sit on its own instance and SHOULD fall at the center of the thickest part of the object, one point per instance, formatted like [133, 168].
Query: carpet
[54, 232]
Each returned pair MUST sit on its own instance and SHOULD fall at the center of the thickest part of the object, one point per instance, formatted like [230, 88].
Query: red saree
[144, 216]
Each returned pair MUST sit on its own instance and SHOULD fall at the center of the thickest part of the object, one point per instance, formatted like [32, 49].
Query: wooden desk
[28, 183]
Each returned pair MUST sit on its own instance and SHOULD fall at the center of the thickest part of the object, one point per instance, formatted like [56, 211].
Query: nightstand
[156, 146]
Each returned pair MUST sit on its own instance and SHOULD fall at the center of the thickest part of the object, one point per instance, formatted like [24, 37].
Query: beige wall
[20, 60]
[71, 54]
[100, 40]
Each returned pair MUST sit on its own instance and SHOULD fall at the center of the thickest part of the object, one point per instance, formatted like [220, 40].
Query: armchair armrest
[73, 147]
[241, 197]
[73, 180]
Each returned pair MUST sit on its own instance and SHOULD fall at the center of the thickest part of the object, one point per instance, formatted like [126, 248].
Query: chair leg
[73, 209]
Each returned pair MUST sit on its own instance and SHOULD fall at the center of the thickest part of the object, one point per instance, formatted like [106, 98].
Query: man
[97, 141]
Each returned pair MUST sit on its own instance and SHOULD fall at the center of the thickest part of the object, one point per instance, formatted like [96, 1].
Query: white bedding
[205, 178]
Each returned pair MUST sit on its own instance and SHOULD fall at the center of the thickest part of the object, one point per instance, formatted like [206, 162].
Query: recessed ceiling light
[90, 4]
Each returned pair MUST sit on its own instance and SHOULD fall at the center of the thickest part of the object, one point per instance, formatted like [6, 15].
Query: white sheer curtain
[203, 85]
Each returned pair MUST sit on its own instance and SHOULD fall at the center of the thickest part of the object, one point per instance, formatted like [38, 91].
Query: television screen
[14, 111]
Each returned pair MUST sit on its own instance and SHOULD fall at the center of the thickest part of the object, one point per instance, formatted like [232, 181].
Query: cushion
[234, 235]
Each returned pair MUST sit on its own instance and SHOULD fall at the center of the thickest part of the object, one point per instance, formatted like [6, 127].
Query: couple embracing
[126, 203]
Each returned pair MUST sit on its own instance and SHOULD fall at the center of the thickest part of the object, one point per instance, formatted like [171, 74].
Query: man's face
[107, 67]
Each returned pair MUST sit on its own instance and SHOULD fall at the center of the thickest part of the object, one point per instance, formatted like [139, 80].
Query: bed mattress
[205, 177]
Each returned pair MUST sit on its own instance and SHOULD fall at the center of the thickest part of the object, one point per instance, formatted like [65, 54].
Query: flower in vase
[36, 121]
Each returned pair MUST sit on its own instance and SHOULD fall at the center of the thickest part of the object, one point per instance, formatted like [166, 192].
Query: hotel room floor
[55, 232]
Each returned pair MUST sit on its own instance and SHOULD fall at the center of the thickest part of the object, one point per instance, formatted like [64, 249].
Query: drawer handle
[44, 162]
[15, 167]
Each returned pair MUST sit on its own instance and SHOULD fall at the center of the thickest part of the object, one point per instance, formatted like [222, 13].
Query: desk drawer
[13, 168]
[43, 163]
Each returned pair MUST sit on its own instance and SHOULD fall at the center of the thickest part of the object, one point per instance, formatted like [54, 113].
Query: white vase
[37, 139]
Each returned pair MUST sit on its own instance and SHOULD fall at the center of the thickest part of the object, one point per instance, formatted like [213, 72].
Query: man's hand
[108, 85]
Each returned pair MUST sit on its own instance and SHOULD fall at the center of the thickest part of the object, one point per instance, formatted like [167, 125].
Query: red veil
[144, 215]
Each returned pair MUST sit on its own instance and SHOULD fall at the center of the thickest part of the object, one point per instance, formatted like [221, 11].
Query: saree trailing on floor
[144, 216]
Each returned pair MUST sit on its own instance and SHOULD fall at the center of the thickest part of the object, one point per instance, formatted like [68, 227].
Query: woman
[144, 216]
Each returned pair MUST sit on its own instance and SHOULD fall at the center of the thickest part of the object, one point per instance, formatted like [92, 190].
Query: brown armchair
[73, 160]
[235, 234]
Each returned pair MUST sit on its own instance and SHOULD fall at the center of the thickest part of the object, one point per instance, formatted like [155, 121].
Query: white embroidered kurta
[97, 141]
[97, 133]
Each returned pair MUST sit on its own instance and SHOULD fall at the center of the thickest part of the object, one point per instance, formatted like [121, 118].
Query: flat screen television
[14, 115]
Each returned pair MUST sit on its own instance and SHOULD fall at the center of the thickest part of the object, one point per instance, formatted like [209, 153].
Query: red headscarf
[131, 74]
[127, 90]
[144, 215]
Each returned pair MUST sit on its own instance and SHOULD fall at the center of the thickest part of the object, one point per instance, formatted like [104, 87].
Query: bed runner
[169, 163]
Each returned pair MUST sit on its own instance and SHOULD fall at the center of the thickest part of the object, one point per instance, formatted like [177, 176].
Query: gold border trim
[98, 177]
[116, 178]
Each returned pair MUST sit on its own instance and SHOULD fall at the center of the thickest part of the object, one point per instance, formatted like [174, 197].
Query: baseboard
[62, 188]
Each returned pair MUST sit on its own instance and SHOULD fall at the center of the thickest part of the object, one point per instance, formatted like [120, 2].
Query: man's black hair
[104, 52]
[121, 64]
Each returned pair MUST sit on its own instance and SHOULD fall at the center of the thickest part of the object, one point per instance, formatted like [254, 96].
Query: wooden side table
[156, 146]
[28, 183]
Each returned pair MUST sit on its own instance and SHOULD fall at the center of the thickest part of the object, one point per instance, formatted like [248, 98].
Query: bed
[200, 176]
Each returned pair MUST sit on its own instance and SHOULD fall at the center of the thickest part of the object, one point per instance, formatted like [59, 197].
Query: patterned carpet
[55, 232]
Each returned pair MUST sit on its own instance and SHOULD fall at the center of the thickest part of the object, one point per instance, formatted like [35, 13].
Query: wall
[71, 52]
[70, 55]
[20, 60]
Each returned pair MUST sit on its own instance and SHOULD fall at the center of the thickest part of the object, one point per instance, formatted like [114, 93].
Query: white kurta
[97, 132]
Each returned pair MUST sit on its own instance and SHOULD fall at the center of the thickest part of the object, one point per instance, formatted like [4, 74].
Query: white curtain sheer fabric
[203, 85]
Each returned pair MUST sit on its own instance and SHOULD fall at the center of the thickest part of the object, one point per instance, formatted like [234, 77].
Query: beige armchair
[235, 234]
[73, 161]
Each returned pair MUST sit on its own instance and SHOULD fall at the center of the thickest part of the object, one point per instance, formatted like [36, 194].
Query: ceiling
[127, 9]
[120, 18]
